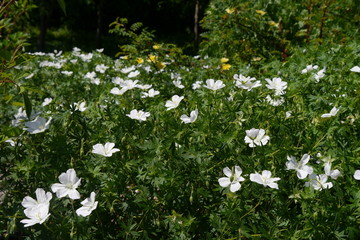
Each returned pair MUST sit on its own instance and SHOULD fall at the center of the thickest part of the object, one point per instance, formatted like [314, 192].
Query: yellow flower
[230, 10]
[225, 66]
[139, 60]
[272, 23]
[261, 12]
[156, 46]
[255, 59]
[160, 65]
[224, 60]
[152, 58]
[125, 57]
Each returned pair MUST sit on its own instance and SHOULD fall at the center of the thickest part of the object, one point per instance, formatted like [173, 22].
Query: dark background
[86, 23]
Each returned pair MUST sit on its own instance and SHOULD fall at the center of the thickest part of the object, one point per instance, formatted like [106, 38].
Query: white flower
[41, 198]
[101, 68]
[334, 174]
[67, 73]
[86, 57]
[21, 116]
[128, 69]
[212, 85]
[245, 82]
[89, 204]
[118, 91]
[67, 186]
[178, 84]
[318, 182]
[332, 113]
[191, 119]
[196, 85]
[357, 174]
[288, 114]
[233, 178]
[118, 80]
[275, 101]
[80, 106]
[144, 87]
[100, 50]
[301, 168]
[37, 214]
[320, 74]
[138, 115]
[174, 102]
[264, 179]
[90, 75]
[309, 68]
[256, 137]
[106, 150]
[133, 74]
[47, 101]
[151, 93]
[38, 125]
[355, 69]
[277, 84]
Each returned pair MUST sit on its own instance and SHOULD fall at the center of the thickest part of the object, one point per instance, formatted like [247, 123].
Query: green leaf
[28, 107]
[62, 5]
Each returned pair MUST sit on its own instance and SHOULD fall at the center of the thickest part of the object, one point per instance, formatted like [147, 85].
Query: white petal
[224, 182]
[227, 171]
[235, 186]
[357, 175]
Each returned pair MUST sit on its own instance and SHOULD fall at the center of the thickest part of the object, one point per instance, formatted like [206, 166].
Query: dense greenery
[173, 172]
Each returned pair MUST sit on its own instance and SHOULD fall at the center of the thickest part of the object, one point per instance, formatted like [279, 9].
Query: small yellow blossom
[255, 59]
[152, 58]
[225, 66]
[139, 60]
[224, 60]
[230, 10]
[125, 57]
[272, 23]
[261, 12]
[156, 46]
[160, 65]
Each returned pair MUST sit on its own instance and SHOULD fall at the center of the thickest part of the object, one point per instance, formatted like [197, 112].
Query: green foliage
[253, 30]
[163, 183]
[136, 42]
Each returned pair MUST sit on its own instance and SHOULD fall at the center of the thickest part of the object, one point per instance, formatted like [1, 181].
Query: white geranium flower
[46, 102]
[256, 137]
[196, 85]
[37, 214]
[138, 115]
[42, 197]
[332, 113]
[275, 101]
[265, 179]
[133, 74]
[309, 68]
[128, 69]
[151, 93]
[101, 68]
[144, 86]
[193, 116]
[246, 83]
[86, 57]
[117, 91]
[214, 85]
[355, 69]
[106, 150]
[118, 80]
[300, 167]
[178, 83]
[67, 73]
[67, 186]
[21, 116]
[277, 84]
[318, 182]
[38, 125]
[89, 204]
[80, 106]
[174, 102]
[232, 179]
[357, 174]
[334, 174]
[320, 74]
[92, 77]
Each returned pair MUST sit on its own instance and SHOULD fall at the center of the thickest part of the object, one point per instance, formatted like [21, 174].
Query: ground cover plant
[183, 151]
[155, 144]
